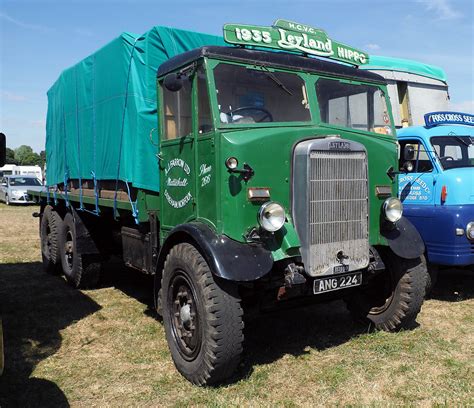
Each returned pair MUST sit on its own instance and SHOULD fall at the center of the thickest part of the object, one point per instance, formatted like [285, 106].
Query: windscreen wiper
[272, 76]
[464, 141]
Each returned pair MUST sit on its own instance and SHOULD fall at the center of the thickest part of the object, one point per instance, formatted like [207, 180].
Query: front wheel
[393, 298]
[202, 317]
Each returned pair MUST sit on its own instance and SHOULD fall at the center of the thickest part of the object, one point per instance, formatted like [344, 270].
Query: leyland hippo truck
[243, 173]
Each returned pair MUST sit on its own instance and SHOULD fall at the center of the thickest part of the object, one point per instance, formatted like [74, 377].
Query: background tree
[10, 159]
[43, 158]
[25, 156]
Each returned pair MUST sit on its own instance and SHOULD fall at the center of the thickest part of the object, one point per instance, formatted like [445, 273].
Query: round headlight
[393, 209]
[271, 216]
[231, 163]
[470, 231]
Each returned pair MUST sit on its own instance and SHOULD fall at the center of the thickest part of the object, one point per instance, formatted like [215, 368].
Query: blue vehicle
[436, 185]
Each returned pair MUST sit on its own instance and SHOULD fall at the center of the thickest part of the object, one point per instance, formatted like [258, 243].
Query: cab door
[206, 166]
[177, 155]
[417, 177]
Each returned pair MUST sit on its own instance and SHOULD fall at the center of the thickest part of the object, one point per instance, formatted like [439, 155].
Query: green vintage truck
[242, 177]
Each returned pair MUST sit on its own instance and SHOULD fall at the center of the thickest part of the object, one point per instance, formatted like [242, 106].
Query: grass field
[106, 347]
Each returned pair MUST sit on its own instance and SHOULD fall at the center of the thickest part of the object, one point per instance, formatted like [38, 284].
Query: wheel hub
[69, 249]
[185, 324]
[185, 315]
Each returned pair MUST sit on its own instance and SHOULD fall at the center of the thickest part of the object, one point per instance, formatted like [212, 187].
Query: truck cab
[437, 185]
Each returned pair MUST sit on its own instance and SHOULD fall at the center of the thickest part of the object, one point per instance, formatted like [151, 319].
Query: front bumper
[437, 226]
[23, 199]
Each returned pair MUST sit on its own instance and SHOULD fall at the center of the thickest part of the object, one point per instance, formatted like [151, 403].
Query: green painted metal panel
[294, 37]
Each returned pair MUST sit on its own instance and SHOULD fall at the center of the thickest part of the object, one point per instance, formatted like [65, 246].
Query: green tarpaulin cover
[101, 111]
[404, 65]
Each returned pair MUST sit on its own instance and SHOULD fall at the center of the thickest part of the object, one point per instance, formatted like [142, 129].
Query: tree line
[25, 156]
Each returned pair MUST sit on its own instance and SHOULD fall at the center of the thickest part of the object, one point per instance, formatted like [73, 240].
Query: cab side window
[204, 106]
[177, 111]
[414, 152]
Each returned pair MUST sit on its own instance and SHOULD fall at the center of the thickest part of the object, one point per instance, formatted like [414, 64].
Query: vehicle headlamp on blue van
[436, 185]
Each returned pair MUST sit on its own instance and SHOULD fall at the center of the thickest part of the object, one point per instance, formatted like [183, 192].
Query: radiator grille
[338, 197]
[336, 217]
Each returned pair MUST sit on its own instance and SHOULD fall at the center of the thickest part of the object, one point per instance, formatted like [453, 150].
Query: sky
[39, 39]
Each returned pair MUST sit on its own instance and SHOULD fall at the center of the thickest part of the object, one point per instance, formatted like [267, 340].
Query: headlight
[470, 231]
[271, 216]
[393, 209]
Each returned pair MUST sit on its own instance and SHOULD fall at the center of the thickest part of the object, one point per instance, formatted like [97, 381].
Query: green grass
[105, 347]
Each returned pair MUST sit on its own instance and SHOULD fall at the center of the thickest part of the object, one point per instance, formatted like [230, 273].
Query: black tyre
[50, 227]
[202, 318]
[431, 278]
[81, 270]
[393, 298]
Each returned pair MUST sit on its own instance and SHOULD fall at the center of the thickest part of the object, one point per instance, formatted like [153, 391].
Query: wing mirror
[173, 82]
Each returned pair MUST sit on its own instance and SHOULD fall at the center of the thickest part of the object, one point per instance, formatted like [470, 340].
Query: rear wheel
[393, 298]
[202, 317]
[81, 270]
[50, 227]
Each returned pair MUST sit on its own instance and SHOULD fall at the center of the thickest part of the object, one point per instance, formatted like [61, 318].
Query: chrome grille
[332, 216]
[338, 197]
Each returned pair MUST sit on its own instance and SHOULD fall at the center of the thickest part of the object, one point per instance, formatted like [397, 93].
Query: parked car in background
[13, 189]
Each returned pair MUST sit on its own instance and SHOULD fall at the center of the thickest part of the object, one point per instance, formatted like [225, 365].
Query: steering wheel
[445, 160]
[266, 113]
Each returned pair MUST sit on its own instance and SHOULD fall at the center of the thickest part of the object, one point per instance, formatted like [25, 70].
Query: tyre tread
[407, 301]
[223, 334]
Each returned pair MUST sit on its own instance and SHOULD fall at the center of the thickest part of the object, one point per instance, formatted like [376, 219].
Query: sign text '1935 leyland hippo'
[437, 186]
[271, 180]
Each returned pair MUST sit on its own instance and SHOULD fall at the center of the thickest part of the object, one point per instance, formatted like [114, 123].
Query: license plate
[337, 282]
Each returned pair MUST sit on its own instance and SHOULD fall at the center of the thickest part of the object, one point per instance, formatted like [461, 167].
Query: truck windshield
[356, 106]
[254, 95]
[454, 151]
[24, 181]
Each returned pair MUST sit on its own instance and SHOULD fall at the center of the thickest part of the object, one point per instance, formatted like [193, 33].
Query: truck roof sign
[448, 118]
[290, 36]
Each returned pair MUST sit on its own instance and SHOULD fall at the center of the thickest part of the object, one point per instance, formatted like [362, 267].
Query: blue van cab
[436, 185]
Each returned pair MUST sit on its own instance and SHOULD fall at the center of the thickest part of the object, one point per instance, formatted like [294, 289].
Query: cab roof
[269, 58]
[440, 130]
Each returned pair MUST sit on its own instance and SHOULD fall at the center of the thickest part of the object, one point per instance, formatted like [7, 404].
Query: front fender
[227, 258]
[403, 238]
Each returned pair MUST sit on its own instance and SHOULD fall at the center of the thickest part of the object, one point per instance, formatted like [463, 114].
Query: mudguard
[403, 238]
[227, 258]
